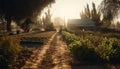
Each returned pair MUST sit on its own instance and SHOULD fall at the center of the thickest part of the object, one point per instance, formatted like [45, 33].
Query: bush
[109, 49]
[83, 50]
[69, 38]
[94, 39]
[93, 48]
[9, 49]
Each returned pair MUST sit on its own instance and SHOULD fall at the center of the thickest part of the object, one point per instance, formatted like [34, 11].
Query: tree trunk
[8, 24]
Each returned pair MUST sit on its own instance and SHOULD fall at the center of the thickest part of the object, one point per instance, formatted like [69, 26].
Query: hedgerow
[93, 48]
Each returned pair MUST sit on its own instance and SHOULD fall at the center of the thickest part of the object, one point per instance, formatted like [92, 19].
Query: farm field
[66, 50]
[59, 34]
[94, 47]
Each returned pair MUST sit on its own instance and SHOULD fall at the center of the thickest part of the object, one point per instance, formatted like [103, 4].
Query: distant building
[80, 24]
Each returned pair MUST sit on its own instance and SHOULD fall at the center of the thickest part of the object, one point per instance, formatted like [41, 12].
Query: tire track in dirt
[47, 62]
[61, 58]
[56, 56]
[53, 55]
[38, 56]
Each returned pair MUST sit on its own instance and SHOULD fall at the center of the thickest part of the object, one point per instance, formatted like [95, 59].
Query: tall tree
[92, 14]
[93, 11]
[86, 14]
[19, 9]
[109, 9]
[47, 17]
[48, 25]
[95, 15]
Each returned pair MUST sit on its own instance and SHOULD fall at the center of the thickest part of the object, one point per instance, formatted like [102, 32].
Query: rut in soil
[52, 55]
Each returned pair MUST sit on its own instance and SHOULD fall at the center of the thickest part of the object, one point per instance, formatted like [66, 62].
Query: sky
[70, 9]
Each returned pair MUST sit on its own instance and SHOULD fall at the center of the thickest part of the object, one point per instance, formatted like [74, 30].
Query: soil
[55, 55]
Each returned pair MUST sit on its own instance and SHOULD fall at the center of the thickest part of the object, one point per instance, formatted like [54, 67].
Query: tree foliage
[26, 25]
[47, 18]
[110, 9]
[92, 14]
[86, 14]
[18, 9]
[48, 25]
[95, 15]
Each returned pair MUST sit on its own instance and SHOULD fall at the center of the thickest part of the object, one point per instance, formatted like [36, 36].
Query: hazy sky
[70, 8]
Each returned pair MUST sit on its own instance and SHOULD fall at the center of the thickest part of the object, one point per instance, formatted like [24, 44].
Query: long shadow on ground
[76, 64]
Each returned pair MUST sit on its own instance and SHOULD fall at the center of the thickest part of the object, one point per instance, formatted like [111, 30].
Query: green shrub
[93, 47]
[94, 39]
[115, 56]
[69, 38]
[83, 50]
[9, 49]
[109, 49]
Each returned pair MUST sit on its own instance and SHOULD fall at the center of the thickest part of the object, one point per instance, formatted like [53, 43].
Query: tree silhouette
[47, 18]
[26, 25]
[95, 15]
[86, 14]
[109, 9]
[19, 9]
[48, 25]
[88, 11]
[92, 14]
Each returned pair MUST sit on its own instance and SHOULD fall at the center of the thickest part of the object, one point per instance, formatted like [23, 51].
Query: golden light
[70, 9]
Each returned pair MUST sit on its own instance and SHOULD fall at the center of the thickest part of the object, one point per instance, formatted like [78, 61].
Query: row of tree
[92, 14]
[108, 10]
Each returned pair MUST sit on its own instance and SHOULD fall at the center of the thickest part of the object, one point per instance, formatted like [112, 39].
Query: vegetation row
[93, 48]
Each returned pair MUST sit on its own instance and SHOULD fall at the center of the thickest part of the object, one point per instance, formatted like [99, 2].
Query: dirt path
[53, 55]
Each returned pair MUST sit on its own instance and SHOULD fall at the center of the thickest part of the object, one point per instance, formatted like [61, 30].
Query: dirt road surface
[53, 55]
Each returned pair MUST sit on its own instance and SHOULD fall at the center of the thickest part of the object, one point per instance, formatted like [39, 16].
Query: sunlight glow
[68, 9]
